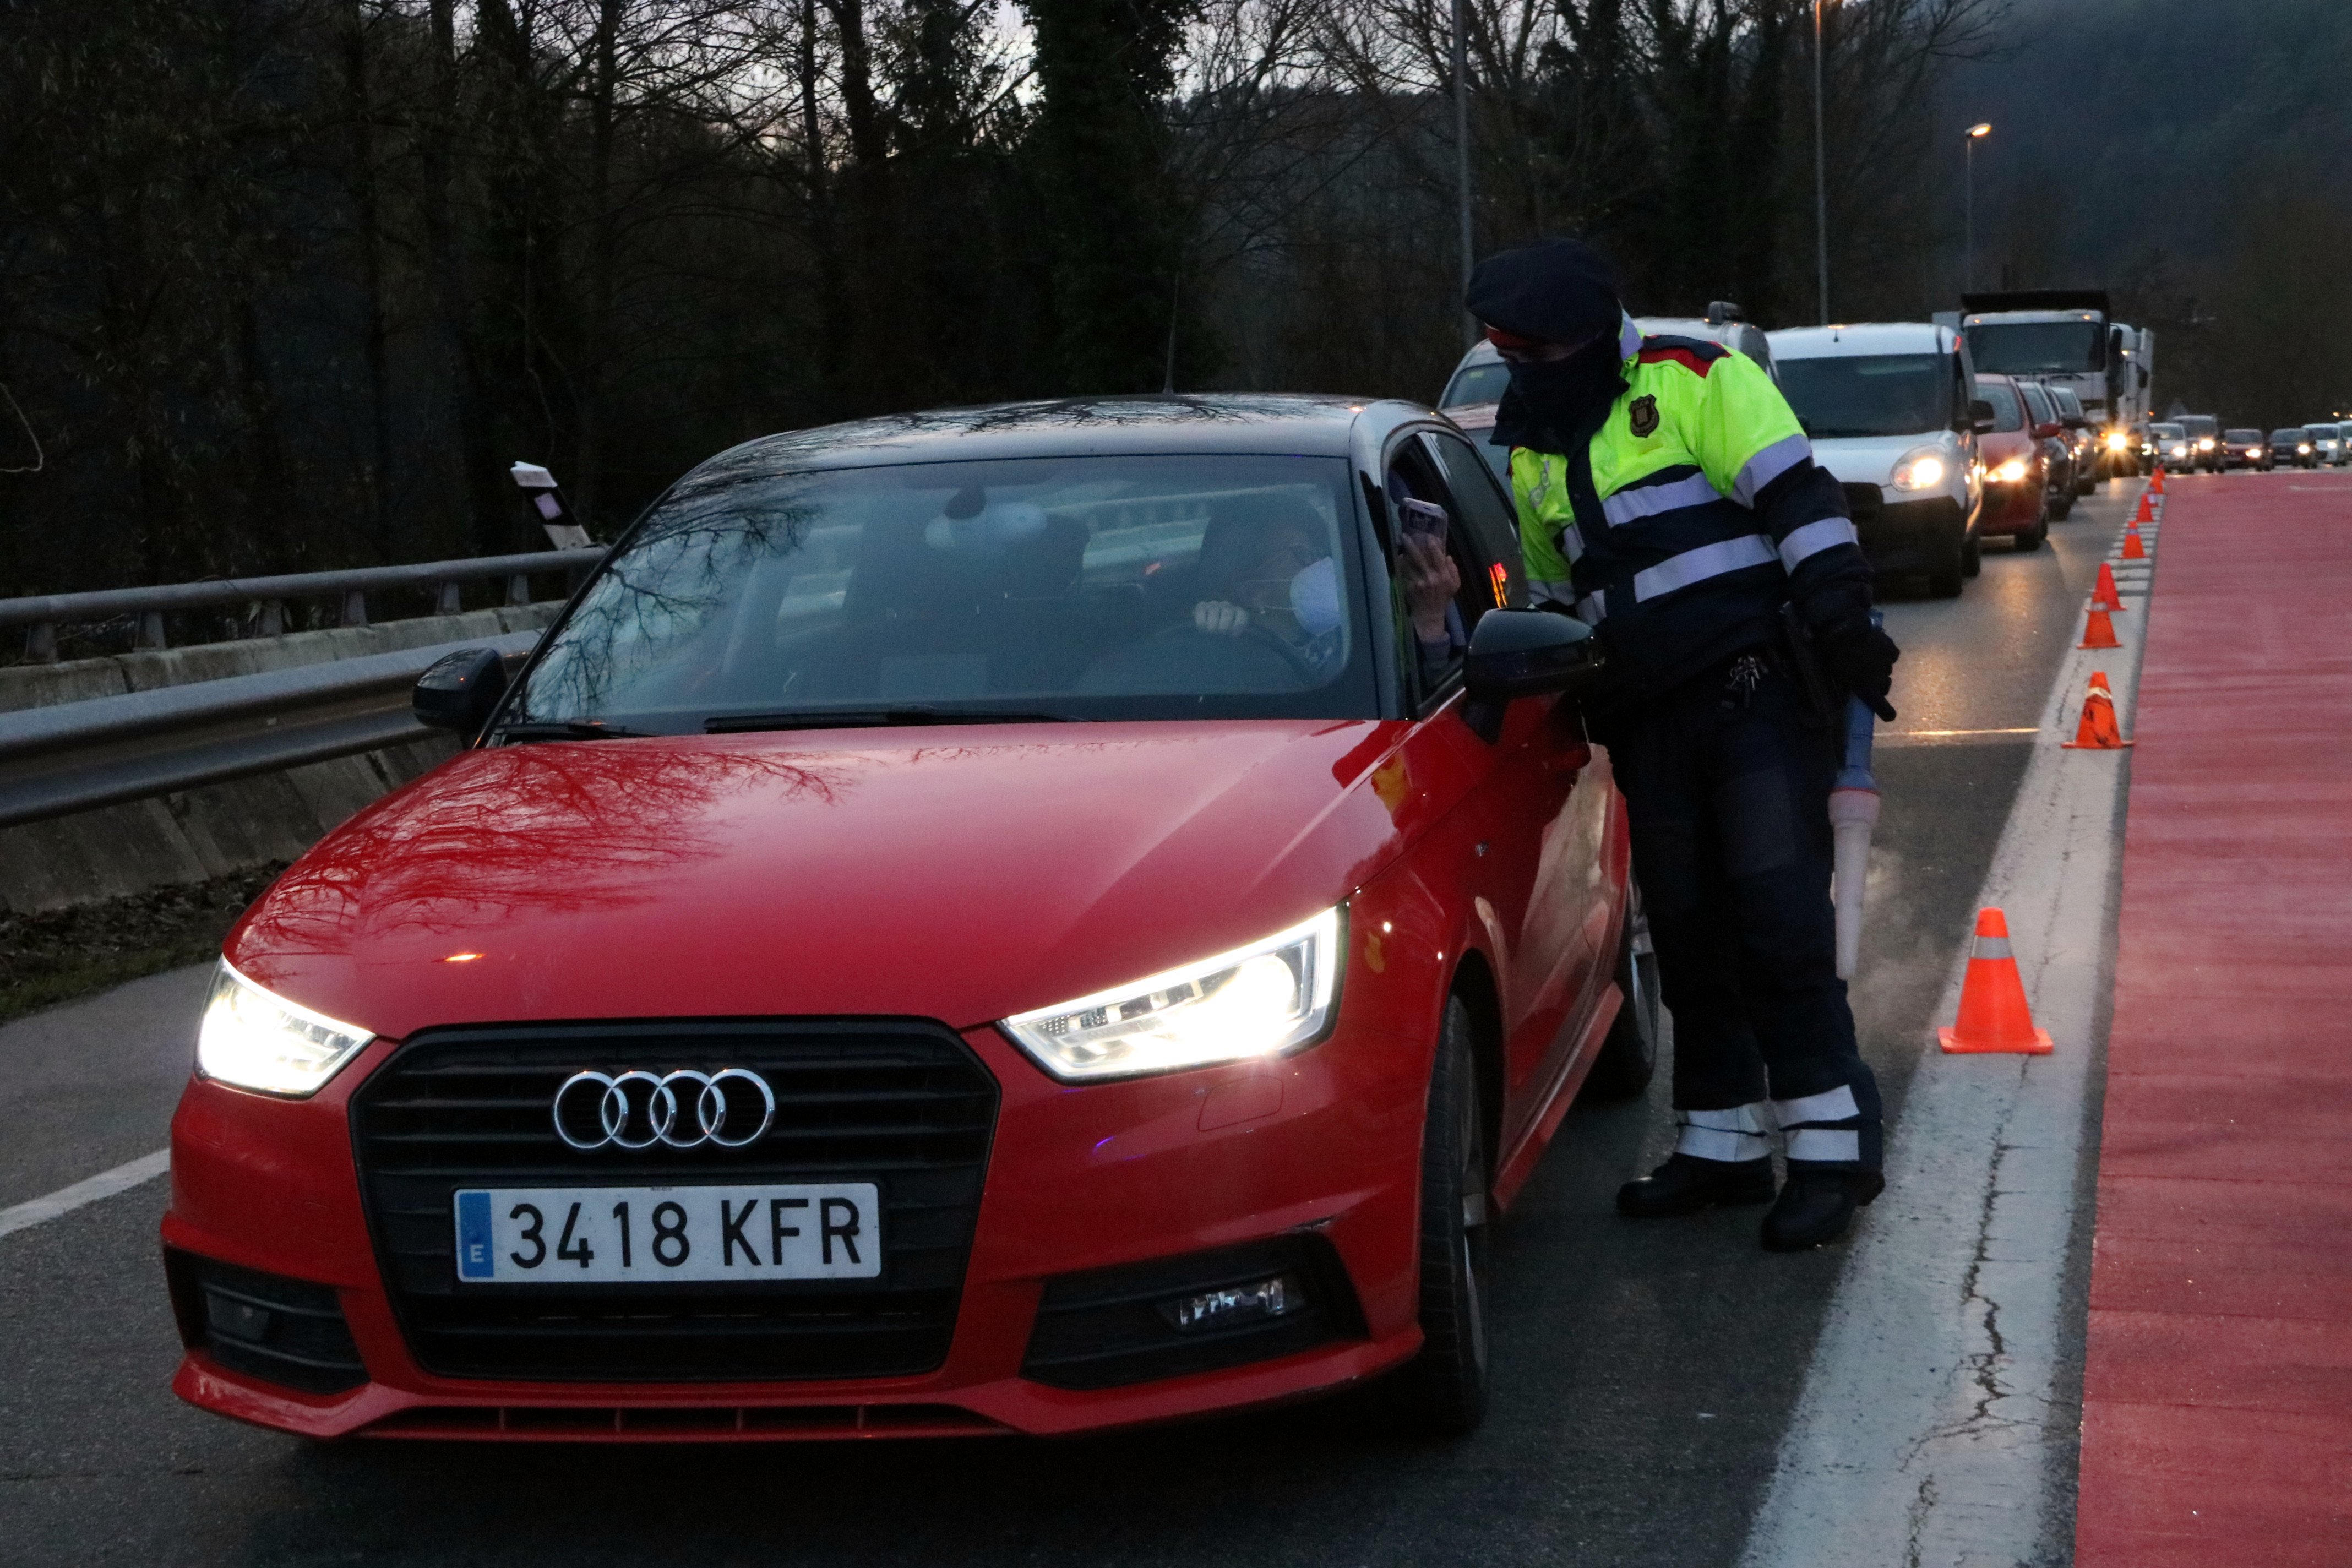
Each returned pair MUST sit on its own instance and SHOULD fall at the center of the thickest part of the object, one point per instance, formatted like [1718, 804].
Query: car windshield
[2289, 437]
[1078, 587]
[2008, 413]
[2199, 425]
[2242, 435]
[1869, 394]
[2039, 348]
[2167, 432]
[1476, 383]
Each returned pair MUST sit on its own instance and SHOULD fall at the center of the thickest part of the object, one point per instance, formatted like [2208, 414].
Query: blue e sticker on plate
[473, 1241]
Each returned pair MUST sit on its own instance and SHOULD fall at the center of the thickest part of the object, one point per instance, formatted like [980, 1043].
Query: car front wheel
[1445, 1388]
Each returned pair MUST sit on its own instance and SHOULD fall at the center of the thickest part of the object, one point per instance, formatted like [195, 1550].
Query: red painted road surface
[2217, 1396]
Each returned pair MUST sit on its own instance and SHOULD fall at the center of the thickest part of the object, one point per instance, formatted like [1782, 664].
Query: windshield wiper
[565, 729]
[872, 719]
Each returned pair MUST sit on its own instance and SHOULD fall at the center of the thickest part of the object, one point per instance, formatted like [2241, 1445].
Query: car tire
[2030, 538]
[1972, 556]
[2058, 508]
[1445, 1388]
[1629, 1057]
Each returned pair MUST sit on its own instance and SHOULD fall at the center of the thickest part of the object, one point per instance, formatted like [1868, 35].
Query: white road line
[1932, 1428]
[65, 1200]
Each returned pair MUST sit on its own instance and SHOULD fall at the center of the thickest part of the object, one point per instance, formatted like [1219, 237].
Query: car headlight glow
[2204, 443]
[2253, 451]
[2011, 472]
[1920, 470]
[2181, 450]
[256, 1040]
[2115, 440]
[1254, 1001]
[2303, 449]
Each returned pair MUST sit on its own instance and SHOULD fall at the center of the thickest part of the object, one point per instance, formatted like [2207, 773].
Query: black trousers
[1727, 787]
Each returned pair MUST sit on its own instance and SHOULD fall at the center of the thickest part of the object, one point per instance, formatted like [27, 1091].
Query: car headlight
[1920, 470]
[2180, 451]
[1255, 1001]
[254, 1039]
[2204, 443]
[2115, 440]
[2303, 450]
[2011, 472]
[2253, 451]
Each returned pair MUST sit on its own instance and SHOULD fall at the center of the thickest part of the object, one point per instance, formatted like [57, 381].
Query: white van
[1889, 406]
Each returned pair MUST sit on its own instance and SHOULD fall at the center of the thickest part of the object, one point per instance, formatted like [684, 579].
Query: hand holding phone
[1425, 519]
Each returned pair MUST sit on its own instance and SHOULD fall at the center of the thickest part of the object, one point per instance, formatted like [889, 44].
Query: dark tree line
[287, 284]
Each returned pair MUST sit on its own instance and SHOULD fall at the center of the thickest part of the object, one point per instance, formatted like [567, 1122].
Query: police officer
[1668, 496]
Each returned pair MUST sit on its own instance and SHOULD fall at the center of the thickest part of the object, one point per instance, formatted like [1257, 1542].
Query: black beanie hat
[1560, 290]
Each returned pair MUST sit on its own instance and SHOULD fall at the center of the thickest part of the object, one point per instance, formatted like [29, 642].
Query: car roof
[1226, 423]
[1861, 338]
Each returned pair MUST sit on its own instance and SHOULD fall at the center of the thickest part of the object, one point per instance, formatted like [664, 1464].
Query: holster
[1818, 697]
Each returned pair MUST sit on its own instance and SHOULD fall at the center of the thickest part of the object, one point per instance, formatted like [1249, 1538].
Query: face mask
[1563, 392]
[1314, 597]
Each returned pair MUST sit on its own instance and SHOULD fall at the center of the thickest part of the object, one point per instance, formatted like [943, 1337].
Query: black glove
[1860, 657]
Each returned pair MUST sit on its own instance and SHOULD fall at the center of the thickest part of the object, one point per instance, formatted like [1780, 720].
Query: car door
[1523, 844]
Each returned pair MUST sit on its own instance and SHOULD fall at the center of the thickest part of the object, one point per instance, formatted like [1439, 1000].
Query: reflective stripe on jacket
[1712, 512]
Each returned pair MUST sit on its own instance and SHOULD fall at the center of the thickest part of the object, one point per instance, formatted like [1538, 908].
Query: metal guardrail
[104, 751]
[45, 613]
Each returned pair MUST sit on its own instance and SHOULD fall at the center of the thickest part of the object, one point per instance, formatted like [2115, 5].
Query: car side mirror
[1523, 653]
[1981, 416]
[2043, 432]
[458, 690]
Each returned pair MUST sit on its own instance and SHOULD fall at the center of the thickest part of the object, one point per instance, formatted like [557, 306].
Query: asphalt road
[1644, 1372]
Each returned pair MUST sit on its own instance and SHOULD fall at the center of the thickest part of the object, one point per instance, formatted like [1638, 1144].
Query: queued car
[2295, 445]
[968, 923]
[2084, 454]
[2041, 409]
[2245, 448]
[2326, 443]
[2202, 433]
[1887, 407]
[2016, 462]
[1475, 391]
[2169, 443]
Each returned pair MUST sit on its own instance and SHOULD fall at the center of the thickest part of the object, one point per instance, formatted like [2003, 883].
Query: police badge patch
[1643, 415]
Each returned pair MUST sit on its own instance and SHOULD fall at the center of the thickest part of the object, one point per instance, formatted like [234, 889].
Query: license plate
[606, 1236]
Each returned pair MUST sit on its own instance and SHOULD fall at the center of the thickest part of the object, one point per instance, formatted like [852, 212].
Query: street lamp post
[1462, 155]
[1820, 176]
[1974, 134]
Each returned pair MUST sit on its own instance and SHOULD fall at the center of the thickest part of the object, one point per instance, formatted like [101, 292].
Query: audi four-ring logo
[730, 1108]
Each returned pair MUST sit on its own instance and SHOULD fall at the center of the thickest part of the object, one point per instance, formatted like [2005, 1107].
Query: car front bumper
[1907, 536]
[1080, 1178]
[2010, 509]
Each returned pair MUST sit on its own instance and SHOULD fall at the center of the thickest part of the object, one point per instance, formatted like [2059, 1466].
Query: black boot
[1816, 1207]
[1686, 1185]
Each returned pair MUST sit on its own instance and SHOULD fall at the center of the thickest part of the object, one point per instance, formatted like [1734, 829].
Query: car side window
[1493, 531]
[1429, 671]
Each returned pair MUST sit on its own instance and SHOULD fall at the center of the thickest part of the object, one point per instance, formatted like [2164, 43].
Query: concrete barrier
[200, 834]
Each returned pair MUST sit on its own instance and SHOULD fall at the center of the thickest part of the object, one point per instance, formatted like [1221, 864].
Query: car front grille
[901, 1102]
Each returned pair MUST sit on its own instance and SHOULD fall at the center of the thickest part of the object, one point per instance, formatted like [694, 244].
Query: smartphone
[1425, 517]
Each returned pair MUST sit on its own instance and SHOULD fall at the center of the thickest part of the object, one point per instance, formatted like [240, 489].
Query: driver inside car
[1292, 592]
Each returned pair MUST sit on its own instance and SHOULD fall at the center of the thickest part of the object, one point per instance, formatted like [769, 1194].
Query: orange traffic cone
[2097, 730]
[2155, 479]
[2099, 630]
[2133, 549]
[2104, 595]
[2147, 512]
[1994, 1016]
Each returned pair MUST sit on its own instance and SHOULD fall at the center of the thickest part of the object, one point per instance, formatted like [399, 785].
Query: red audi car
[2012, 448]
[987, 921]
